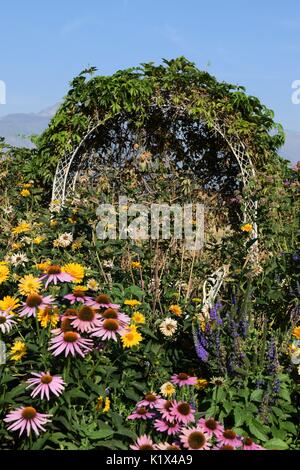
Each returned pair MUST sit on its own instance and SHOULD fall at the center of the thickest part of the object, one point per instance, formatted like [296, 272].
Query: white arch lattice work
[65, 181]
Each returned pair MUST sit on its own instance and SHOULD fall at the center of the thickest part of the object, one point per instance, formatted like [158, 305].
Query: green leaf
[276, 444]
[256, 395]
[288, 426]
[258, 430]
[239, 417]
[130, 393]
[285, 395]
[100, 434]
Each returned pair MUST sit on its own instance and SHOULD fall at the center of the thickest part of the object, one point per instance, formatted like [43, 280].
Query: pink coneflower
[33, 303]
[45, 384]
[87, 319]
[78, 295]
[141, 412]
[183, 379]
[164, 407]
[166, 446]
[150, 399]
[65, 324]
[170, 427]
[26, 418]
[70, 342]
[195, 439]
[6, 322]
[229, 437]
[182, 412]
[248, 444]
[116, 315]
[211, 427]
[102, 301]
[108, 329]
[143, 443]
[54, 274]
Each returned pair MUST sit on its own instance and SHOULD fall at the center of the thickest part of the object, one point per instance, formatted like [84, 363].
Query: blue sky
[252, 43]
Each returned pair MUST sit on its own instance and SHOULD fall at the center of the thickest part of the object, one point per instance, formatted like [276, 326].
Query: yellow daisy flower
[18, 350]
[131, 337]
[176, 309]
[4, 272]
[201, 384]
[296, 332]
[43, 266]
[9, 303]
[107, 405]
[138, 317]
[53, 223]
[29, 285]
[21, 228]
[16, 246]
[167, 389]
[247, 228]
[26, 185]
[136, 265]
[74, 269]
[38, 240]
[48, 316]
[76, 245]
[132, 302]
[25, 192]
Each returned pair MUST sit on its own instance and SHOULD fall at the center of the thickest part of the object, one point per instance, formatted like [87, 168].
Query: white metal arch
[64, 184]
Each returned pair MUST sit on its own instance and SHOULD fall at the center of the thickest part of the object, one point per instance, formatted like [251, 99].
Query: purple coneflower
[26, 418]
[164, 407]
[182, 379]
[86, 320]
[78, 295]
[70, 342]
[150, 399]
[195, 439]
[143, 443]
[54, 274]
[44, 384]
[141, 412]
[116, 315]
[182, 412]
[33, 303]
[248, 444]
[101, 301]
[229, 437]
[211, 427]
[108, 329]
[166, 426]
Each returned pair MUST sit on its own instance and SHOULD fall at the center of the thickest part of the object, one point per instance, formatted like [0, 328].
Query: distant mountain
[291, 148]
[14, 126]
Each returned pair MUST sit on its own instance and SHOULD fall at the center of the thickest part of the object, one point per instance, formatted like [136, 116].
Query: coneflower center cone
[111, 324]
[228, 434]
[34, 300]
[183, 376]
[86, 313]
[110, 313]
[46, 379]
[29, 412]
[70, 336]
[54, 269]
[184, 409]
[196, 440]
